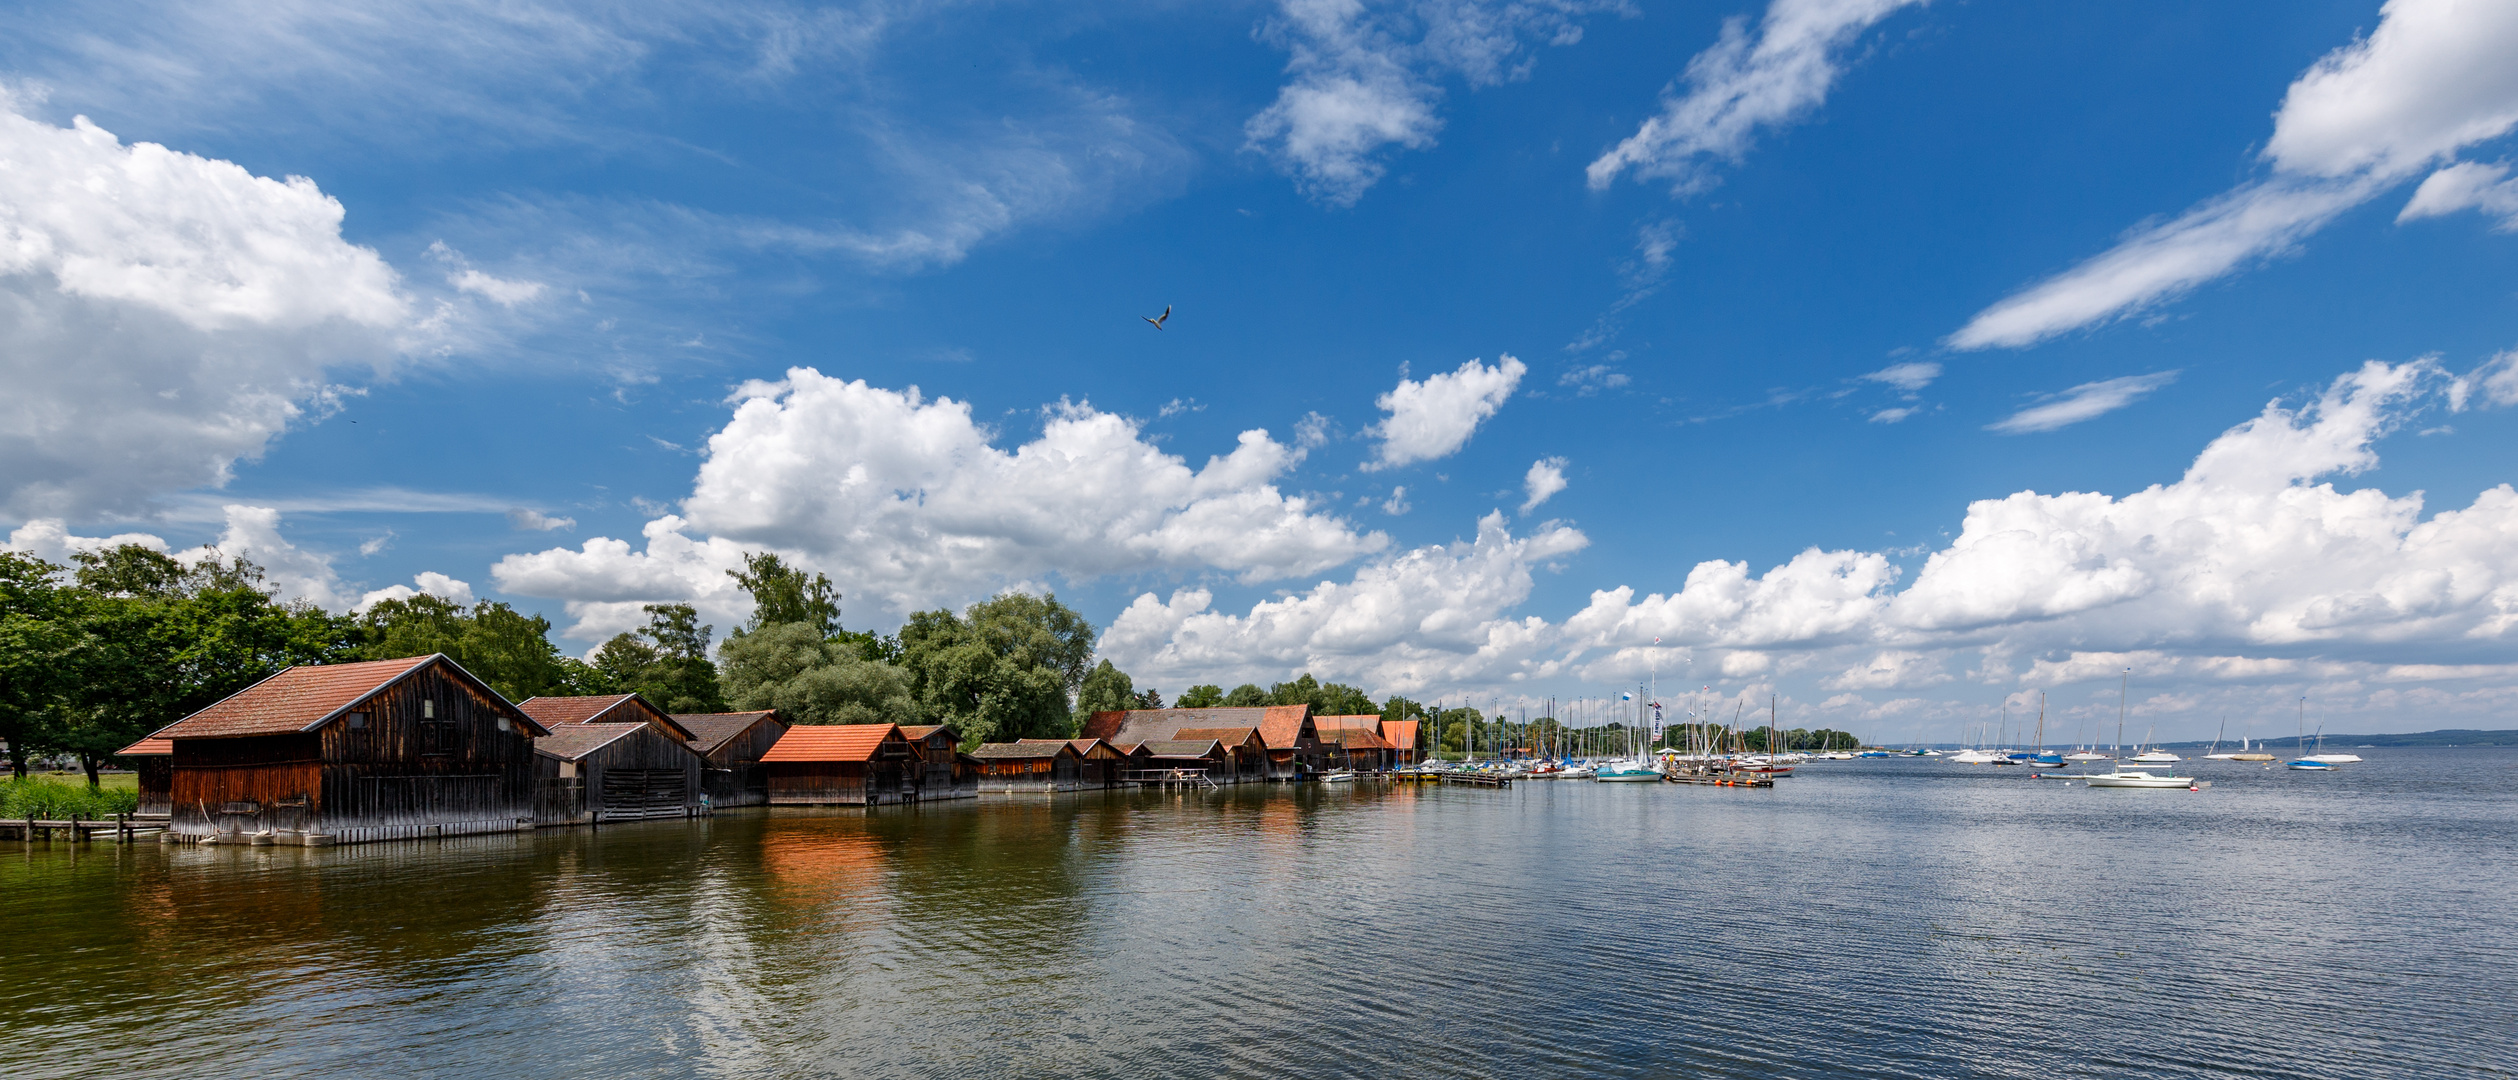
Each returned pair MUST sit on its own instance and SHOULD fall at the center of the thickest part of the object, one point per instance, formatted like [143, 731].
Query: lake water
[1864, 919]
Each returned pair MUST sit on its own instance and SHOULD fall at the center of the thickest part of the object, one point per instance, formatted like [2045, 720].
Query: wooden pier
[120, 828]
[1169, 778]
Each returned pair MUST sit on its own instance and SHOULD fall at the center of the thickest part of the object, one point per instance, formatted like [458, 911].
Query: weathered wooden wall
[841, 783]
[406, 773]
[246, 784]
[1030, 775]
[643, 774]
[733, 775]
[156, 773]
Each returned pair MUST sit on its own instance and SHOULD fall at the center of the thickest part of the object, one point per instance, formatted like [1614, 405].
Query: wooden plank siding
[732, 773]
[644, 773]
[430, 755]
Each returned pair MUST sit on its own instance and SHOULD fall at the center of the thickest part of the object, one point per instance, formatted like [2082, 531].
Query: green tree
[680, 679]
[1003, 669]
[1399, 708]
[791, 667]
[1106, 688]
[501, 646]
[785, 594]
[1245, 696]
[35, 643]
[1201, 696]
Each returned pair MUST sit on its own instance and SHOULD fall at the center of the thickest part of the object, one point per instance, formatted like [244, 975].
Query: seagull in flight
[1158, 320]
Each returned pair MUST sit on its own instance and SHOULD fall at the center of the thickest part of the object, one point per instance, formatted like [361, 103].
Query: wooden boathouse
[345, 753]
[551, 712]
[627, 771]
[730, 746]
[1102, 762]
[1030, 766]
[943, 772]
[152, 762]
[842, 765]
[1287, 731]
[1174, 758]
[1360, 748]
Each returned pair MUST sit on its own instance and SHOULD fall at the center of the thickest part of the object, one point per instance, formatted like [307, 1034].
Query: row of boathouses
[416, 747]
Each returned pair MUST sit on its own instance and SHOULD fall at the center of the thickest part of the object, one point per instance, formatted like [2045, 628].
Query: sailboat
[1633, 769]
[2137, 778]
[2043, 758]
[2317, 762]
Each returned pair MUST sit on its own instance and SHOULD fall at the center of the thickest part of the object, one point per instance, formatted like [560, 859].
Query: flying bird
[1158, 320]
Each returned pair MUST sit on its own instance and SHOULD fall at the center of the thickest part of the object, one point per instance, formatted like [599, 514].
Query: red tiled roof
[302, 698]
[1355, 738]
[1084, 747]
[1185, 748]
[915, 732]
[830, 742]
[1367, 721]
[148, 747]
[711, 730]
[569, 742]
[604, 709]
[1284, 726]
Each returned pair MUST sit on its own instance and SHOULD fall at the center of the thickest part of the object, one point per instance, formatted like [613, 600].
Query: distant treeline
[2449, 737]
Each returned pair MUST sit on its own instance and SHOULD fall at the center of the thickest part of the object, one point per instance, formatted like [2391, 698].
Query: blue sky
[571, 307]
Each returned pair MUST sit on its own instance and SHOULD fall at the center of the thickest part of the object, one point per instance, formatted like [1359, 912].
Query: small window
[428, 709]
[503, 725]
[358, 721]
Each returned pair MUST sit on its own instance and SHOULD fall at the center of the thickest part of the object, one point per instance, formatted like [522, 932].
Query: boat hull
[2145, 780]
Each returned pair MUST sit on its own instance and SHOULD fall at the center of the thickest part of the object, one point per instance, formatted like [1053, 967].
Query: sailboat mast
[2124, 687]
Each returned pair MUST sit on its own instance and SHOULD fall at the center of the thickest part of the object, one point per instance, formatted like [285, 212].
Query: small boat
[2086, 756]
[1975, 757]
[2139, 779]
[1626, 772]
[2154, 757]
[2335, 759]
[2311, 765]
[1342, 776]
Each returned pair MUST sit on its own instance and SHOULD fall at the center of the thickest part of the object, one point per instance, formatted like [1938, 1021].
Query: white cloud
[2465, 185]
[1364, 79]
[1910, 376]
[908, 502]
[1397, 503]
[429, 582]
[2084, 402]
[50, 539]
[2496, 381]
[2433, 78]
[537, 521]
[1739, 85]
[1891, 416]
[163, 316]
[1434, 418]
[1545, 478]
[1428, 617]
[2252, 568]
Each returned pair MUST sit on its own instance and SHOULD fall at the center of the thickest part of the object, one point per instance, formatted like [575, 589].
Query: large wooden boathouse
[343, 753]
[1292, 741]
[1028, 766]
[593, 773]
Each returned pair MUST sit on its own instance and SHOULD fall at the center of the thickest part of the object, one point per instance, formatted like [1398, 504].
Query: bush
[54, 800]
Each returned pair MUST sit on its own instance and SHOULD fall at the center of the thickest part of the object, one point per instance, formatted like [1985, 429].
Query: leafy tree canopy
[1201, 696]
[1325, 699]
[501, 646]
[1245, 696]
[786, 594]
[1001, 670]
[791, 667]
[1106, 688]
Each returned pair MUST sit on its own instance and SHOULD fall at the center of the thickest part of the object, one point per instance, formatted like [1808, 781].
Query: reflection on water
[1876, 918]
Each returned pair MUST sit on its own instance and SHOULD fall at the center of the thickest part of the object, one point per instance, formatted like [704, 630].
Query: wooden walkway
[1748, 780]
[121, 828]
[1169, 778]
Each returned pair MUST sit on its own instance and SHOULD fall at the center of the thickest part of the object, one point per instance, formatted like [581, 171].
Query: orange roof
[1367, 721]
[148, 747]
[1401, 733]
[831, 742]
[307, 696]
[1084, 747]
[1284, 725]
[915, 732]
[1355, 738]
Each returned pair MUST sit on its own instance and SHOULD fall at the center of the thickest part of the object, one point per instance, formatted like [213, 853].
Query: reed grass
[36, 797]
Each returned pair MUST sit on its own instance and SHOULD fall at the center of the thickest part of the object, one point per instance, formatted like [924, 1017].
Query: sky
[1897, 363]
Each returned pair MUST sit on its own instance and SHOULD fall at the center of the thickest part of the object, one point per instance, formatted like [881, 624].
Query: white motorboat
[2086, 756]
[2335, 759]
[2136, 778]
[2154, 757]
[1976, 757]
[1341, 776]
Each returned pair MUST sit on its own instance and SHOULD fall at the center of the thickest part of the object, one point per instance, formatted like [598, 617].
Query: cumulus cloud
[1434, 418]
[2433, 78]
[909, 502]
[163, 316]
[2465, 185]
[1740, 84]
[2084, 402]
[1545, 478]
[2250, 568]
[1432, 616]
[1365, 77]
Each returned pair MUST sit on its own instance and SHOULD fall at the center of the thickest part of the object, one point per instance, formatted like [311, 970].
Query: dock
[120, 828]
[1169, 778]
[1747, 780]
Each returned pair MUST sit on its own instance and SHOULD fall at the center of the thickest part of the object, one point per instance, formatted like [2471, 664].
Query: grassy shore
[59, 795]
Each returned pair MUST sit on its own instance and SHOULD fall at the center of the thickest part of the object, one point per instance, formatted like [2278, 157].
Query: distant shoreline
[2449, 737]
